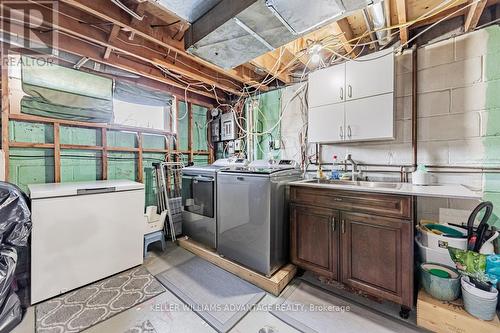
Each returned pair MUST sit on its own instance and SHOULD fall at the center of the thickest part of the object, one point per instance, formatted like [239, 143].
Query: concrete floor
[167, 321]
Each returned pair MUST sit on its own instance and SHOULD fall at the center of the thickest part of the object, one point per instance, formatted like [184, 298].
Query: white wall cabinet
[370, 76]
[327, 86]
[369, 118]
[353, 101]
[327, 123]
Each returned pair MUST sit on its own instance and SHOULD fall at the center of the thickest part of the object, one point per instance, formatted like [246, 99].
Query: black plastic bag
[15, 215]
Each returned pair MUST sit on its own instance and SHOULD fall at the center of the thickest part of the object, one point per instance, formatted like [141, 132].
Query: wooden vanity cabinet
[363, 240]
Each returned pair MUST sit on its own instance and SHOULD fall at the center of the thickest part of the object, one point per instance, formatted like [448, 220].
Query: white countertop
[441, 191]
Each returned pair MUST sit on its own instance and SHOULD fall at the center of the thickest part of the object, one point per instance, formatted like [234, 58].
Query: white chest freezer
[83, 232]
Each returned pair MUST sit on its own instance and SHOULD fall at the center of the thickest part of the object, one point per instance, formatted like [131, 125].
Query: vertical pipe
[414, 106]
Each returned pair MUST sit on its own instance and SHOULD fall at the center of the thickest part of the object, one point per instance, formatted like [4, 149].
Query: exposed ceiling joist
[342, 29]
[401, 13]
[112, 35]
[272, 63]
[140, 49]
[94, 53]
[110, 13]
[474, 14]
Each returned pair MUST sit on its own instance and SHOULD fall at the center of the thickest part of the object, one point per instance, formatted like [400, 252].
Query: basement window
[139, 115]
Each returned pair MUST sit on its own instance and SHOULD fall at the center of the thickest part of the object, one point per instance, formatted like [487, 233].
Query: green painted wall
[36, 166]
[265, 116]
[200, 127]
[182, 126]
[492, 135]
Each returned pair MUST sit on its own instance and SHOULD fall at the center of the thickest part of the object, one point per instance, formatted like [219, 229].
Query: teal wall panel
[81, 165]
[200, 127]
[31, 132]
[31, 166]
[122, 165]
[153, 141]
[492, 135]
[121, 139]
[80, 136]
[149, 180]
[182, 127]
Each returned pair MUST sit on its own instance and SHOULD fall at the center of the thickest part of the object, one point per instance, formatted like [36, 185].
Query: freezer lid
[40, 191]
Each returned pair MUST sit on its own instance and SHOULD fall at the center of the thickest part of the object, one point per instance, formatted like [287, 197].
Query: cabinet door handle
[341, 133]
[349, 132]
[333, 223]
[341, 93]
[342, 226]
[349, 91]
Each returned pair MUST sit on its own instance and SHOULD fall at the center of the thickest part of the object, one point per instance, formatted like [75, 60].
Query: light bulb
[314, 49]
[315, 58]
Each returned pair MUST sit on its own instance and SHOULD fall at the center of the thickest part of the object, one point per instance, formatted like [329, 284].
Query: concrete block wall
[458, 116]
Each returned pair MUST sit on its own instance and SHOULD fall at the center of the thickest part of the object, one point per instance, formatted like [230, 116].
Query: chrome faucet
[355, 172]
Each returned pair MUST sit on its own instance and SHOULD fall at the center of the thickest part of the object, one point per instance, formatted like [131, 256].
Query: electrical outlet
[237, 145]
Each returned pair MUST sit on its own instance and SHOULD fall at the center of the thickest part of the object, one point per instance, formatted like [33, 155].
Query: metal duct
[379, 20]
[189, 10]
[258, 26]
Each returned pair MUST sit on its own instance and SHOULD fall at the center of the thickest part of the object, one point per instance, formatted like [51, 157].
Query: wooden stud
[104, 156]
[401, 11]
[57, 153]
[15, 144]
[38, 119]
[140, 164]
[5, 108]
[474, 14]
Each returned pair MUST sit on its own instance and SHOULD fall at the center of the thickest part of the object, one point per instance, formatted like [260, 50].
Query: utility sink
[388, 185]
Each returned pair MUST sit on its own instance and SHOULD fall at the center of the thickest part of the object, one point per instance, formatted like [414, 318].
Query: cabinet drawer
[389, 205]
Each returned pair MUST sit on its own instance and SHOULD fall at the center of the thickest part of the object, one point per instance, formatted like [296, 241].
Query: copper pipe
[414, 106]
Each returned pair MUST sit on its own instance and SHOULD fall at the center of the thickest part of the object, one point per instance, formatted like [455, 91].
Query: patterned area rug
[144, 327]
[79, 309]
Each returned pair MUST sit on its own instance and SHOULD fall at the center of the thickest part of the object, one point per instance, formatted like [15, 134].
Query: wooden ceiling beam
[141, 49]
[106, 11]
[86, 49]
[401, 13]
[112, 35]
[474, 14]
[342, 29]
[272, 64]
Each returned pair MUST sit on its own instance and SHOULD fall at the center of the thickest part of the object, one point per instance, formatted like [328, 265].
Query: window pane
[139, 115]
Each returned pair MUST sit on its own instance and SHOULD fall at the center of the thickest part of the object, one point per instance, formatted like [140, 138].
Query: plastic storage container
[441, 288]
[439, 256]
[437, 242]
[479, 303]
